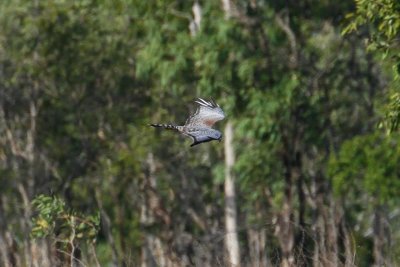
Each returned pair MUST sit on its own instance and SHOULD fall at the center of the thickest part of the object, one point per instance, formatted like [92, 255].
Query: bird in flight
[199, 125]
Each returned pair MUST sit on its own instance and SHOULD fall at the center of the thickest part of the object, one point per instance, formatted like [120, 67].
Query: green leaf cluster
[368, 163]
[380, 22]
[383, 19]
[54, 220]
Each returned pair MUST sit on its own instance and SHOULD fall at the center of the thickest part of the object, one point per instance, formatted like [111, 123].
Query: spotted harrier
[199, 125]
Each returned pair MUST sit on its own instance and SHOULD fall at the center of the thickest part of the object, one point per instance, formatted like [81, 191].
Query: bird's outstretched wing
[206, 114]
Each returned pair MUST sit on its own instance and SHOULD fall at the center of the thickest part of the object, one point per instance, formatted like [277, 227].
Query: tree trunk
[300, 238]
[231, 238]
[318, 226]
[348, 251]
[284, 228]
[107, 231]
[257, 249]
[152, 251]
[195, 23]
[332, 235]
[380, 239]
[228, 8]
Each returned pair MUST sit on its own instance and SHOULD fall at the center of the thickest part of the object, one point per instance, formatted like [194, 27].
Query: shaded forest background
[307, 175]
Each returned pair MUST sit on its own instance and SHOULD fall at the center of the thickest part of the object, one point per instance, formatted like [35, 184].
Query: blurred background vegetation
[311, 93]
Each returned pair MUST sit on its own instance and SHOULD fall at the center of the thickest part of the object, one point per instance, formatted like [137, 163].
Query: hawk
[198, 126]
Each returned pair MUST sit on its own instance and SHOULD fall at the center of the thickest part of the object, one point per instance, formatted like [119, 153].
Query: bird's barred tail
[167, 126]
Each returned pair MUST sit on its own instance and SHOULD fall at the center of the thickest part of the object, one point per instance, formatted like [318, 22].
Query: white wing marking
[206, 115]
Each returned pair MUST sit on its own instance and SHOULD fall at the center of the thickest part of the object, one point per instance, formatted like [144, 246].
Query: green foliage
[368, 163]
[392, 113]
[54, 220]
[49, 209]
[382, 19]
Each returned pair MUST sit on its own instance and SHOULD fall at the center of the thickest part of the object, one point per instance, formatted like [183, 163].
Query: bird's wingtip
[205, 103]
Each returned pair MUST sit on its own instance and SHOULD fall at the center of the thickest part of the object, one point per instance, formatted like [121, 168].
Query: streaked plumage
[198, 126]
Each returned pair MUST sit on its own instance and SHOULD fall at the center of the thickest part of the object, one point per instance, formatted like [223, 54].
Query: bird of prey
[198, 126]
